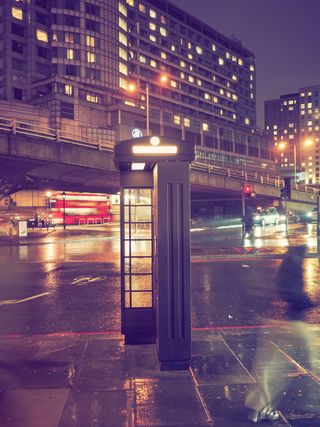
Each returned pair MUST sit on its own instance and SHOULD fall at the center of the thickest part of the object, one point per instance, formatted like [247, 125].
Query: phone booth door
[138, 317]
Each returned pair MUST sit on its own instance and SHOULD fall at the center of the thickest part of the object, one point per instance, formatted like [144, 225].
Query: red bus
[80, 208]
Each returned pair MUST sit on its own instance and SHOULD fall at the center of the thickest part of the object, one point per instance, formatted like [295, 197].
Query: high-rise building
[293, 122]
[71, 64]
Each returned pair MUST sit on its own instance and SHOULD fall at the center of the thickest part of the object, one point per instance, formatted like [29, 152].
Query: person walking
[269, 366]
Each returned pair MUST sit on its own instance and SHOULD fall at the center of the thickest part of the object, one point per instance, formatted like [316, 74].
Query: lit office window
[190, 56]
[54, 37]
[182, 75]
[191, 79]
[234, 77]
[152, 13]
[122, 9]
[207, 96]
[235, 97]
[153, 63]
[177, 120]
[91, 57]
[173, 48]
[182, 64]
[186, 122]
[92, 98]
[42, 36]
[240, 61]
[251, 68]
[189, 45]
[163, 31]
[221, 91]
[205, 127]
[142, 8]
[70, 54]
[173, 84]
[199, 50]
[228, 56]
[251, 95]
[215, 99]
[309, 93]
[130, 3]
[221, 112]
[221, 61]
[123, 69]
[142, 59]
[123, 24]
[163, 55]
[123, 54]
[17, 13]
[90, 41]
[152, 26]
[309, 105]
[302, 106]
[234, 116]
[247, 121]
[234, 58]
[302, 94]
[213, 47]
[152, 38]
[199, 82]
[123, 83]
[68, 90]
[123, 39]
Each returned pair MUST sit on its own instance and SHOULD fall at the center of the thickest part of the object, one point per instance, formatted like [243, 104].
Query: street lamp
[132, 87]
[64, 209]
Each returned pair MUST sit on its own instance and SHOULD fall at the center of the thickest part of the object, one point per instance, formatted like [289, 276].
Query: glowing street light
[132, 87]
[283, 144]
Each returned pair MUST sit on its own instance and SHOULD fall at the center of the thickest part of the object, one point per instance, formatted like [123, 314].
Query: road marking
[18, 301]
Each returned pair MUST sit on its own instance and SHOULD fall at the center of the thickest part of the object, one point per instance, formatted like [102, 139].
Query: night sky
[284, 35]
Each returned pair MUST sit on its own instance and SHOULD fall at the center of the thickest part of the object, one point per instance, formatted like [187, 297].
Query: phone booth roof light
[150, 150]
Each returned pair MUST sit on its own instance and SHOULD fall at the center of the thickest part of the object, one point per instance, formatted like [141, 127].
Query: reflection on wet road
[73, 284]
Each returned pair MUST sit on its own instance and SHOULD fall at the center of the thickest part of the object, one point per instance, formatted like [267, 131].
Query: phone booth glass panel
[137, 248]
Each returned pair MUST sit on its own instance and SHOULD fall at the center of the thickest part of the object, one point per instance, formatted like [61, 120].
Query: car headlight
[283, 218]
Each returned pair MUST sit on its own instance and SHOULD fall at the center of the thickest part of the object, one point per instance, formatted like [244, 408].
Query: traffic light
[285, 191]
[287, 186]
[248, 191]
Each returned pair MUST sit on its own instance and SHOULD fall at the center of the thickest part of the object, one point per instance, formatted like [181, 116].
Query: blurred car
[312, 216]
[291, 217]
[266, 216]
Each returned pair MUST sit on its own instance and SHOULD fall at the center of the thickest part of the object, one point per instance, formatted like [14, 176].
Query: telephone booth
[155, 245]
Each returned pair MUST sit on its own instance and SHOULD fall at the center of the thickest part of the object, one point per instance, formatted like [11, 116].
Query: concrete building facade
[69, 64]
[293, 122]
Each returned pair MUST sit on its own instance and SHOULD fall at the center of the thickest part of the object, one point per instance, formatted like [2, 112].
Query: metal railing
[24, 128]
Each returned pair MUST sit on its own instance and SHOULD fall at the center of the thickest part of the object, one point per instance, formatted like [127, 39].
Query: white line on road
[18, 301]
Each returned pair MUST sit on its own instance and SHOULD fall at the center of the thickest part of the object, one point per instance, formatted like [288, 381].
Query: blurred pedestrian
[270, 366]
[248, 220]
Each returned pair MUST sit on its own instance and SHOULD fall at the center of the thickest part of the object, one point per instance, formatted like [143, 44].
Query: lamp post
[132, 87]
[64, 209]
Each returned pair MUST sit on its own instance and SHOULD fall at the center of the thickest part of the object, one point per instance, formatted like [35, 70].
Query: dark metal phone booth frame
[155, 245]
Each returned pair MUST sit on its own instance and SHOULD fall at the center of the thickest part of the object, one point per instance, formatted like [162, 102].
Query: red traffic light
[247, 189]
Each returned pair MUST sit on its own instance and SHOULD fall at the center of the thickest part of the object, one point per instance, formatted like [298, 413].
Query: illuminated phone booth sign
[155, 245]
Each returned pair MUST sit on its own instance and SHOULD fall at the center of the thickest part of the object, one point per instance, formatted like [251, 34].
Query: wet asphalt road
[72, 284]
